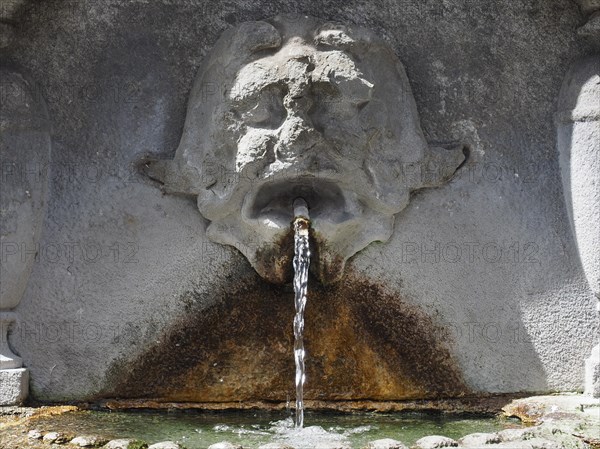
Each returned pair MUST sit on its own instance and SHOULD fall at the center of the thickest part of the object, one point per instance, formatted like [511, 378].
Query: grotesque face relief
[291, 107]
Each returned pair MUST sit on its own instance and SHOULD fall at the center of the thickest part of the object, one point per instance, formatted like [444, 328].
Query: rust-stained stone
[275, 260]
[363, 344]
[480, 404]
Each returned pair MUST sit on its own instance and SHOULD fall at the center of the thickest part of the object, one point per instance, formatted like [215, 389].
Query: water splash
[301, 264]
[285, 433]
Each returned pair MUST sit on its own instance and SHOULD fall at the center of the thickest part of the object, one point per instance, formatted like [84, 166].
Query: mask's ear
[441, 162]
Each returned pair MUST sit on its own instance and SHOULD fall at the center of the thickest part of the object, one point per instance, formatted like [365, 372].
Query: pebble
[330, 445]
[54, 437]
[516, 434]
[124, 444]
[225, 445]
[165, 445]
[534, 443]
[479, 439]
[386, 443]
[434, 442]
[541, 443]
[88, 441]
[34, 434]
[275, 446]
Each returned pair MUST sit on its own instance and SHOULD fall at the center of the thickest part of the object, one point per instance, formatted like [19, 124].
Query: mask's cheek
[255, 148]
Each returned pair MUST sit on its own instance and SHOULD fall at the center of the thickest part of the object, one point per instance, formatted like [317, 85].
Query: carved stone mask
[292, 107]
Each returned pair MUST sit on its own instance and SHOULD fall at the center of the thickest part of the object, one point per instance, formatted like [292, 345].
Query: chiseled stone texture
[316, 110]
[165, 445]
[275, 446]
[225, 445]
[534, 443]
[489, 256]
[55, 437]
[124, 444]
[592, 373]
[25, 155]
[89, 441]
[14, 386]
[385, 443]
[477, 440]
[435, 441]
[35, 434]
[578, 128]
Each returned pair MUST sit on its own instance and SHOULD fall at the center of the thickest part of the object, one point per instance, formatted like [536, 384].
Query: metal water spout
[301, 210]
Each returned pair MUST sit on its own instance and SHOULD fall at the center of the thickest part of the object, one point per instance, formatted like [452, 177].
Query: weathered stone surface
[35, 434]
[516, 434]
[578, 121]
[591, 29]
[90, 441]
[538, 409]
[534, 443]
[211, 355]
[477, 440]
[541, 443]
[8, 360]
[303, 108]
[435, 441]
[24, 142]
[7, 34]
[55, 437]
[564, 420]
[592, 373]
[334, 445]
[275, 446]
[490, 256]
[578, 126]
[225, 445]
[165, 445]
[125, 444]
[14, 386]
[385, 443]
[25, 156]
[588, 6]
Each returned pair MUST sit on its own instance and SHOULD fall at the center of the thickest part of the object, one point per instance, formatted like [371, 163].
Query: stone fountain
[297, 107]
[421, 135]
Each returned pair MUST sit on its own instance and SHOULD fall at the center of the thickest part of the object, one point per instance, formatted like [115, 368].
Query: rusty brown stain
[363, 343]
[481, 403]
[275, 261]
[325, 264]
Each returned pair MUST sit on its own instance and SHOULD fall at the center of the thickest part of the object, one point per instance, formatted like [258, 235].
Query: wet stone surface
[434, 442]
[362, 342]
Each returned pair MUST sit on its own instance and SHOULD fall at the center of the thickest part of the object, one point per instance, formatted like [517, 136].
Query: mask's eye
[331, 107]
[265, 110]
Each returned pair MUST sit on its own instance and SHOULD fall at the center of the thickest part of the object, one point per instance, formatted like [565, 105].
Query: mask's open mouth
[272, 203]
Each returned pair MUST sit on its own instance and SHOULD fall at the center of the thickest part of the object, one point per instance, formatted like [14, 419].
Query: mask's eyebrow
[338, 69]
[331, 67]
[251, 80]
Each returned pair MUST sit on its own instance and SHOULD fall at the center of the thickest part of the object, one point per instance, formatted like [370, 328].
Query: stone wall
[479, 284]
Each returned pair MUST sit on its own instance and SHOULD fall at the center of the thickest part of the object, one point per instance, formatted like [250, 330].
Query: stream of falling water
[301, 264]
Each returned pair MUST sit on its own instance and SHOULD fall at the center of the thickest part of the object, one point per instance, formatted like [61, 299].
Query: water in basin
[198, 430]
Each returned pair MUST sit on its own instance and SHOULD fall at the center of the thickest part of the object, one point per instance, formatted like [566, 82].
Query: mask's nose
[297, 134]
